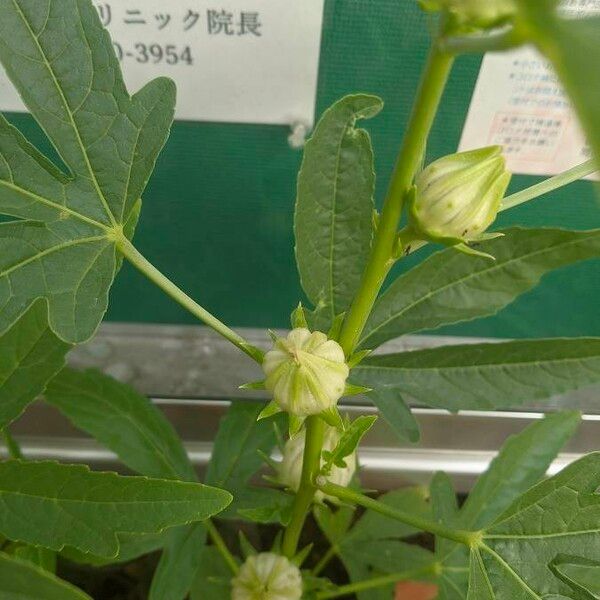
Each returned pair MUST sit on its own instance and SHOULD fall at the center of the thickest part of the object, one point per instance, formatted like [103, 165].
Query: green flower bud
[267, 576]
[289, 470]
[306, 372]
[457, 197]
[474, 14]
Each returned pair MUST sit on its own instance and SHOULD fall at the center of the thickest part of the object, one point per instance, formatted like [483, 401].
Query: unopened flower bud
[267, 576]
[457, 197]
[474, 14]
[306, 372]
[289, 470]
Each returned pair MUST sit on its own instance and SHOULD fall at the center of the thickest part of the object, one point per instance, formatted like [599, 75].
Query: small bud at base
[267, 576]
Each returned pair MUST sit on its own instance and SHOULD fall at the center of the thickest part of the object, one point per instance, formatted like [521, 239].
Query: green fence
[217, 214]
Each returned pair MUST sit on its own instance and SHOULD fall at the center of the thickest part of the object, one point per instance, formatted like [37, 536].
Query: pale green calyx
[306, 372]
[267, 576]
[289, 470]
[457, 197]
[474, 14]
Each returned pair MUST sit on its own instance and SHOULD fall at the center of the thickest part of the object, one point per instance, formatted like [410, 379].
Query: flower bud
[289, 470]
[306, 372]
[474, 14]
[267, 576]
[457, 197]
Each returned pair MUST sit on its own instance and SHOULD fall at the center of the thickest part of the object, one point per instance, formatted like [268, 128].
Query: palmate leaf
[485, 376]
[31, 355]
[61, 61]
[397, 414]
[20, 580]
[53, 505]
[515, 557]
[450, 287]
[521, 462]
[334, 205]
[573, 47]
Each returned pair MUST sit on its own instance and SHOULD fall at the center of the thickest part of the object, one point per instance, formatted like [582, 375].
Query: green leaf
[53, 505]
[450, 287]
[486, 376]
[212, 577]
[178, 563]
[514, 559]
[122, 420]
[348, 442]
[581, 575]
[62, 63]
[573, 47]
[130, 547]
[31, 355]
[522, 462]
[236, 452]
[20, 580]
[334, 205]
[334, 521]
[397, 414]
[36, 555]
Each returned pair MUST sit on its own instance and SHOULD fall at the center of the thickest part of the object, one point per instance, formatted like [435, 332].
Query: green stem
[131, 253]
[409, 159]
[550, 184]
[494, 41]
[14, 450]
[468, 538]
[325, 560]
[311, 464]
[367, 584]
[219, 543]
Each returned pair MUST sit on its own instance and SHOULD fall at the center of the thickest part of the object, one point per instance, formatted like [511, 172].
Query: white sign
[243, 61]
[518, 103]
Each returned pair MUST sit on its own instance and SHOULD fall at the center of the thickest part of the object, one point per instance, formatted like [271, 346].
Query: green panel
[218, 213]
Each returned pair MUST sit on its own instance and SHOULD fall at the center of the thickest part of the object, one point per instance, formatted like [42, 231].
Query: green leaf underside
[53, 505]
[396, 413]
[450, 287]
[20, 580]
[573, 47]
[559, 516]
[178, 563]
[334, 206]
[583, 576]
[61, 61]
[31, 355]
[486, 376]
[122, 420]
[522, 461]
[236, 456]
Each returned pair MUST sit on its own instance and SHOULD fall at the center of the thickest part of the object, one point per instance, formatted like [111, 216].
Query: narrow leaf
[53, 505]
[62, 63]
[122, 420]
[450, 287]
[334, 204]
[486, 376]
[397, 414]
[212, 577]
[178, 563]
[522, 462]
[348, 442]
[31, 355]
[20, 580]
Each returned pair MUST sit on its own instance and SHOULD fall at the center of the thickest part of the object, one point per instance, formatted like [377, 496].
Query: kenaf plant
[517, 536]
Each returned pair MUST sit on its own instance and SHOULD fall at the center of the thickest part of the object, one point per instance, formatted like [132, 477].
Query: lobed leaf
[515, 557]
[31, 355]
[486, 376]
[123, 420]
[450, 287]
[53, 505]
[334, 205]
[61, 60]
[21, 580]
[212, 581]
[396, 413]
